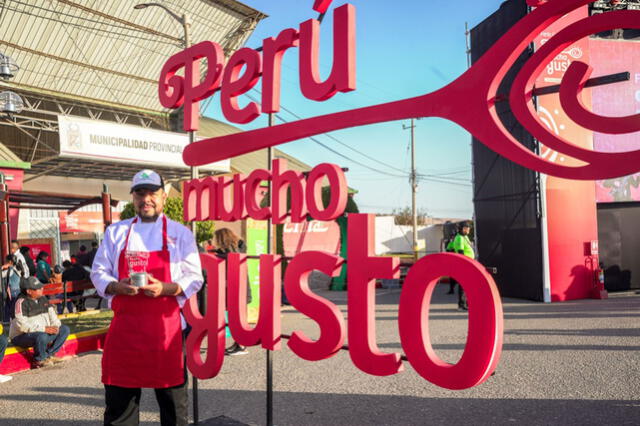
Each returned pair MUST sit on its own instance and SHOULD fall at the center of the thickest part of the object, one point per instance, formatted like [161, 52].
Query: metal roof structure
[106, 51]
[51, 201]
[99, 60]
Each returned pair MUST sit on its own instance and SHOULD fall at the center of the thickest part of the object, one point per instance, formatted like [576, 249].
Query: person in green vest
[462, 245]
[449, 249]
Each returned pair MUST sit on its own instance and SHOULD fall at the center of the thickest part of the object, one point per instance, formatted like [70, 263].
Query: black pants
[123, 405]
[462, 298]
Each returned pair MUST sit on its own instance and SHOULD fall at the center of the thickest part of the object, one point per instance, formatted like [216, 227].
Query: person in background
[75, 272]
[228, 242]
[209, 247]
[83, 255]
[3, 346]
[36, 324]
[462, 245]
[449, 249]
[56, 277]
[43, 270]
[11, 277]
[92, 254]
[26, 254]
[21, 263]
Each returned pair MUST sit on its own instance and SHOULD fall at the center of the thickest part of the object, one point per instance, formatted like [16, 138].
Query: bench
[55, 289]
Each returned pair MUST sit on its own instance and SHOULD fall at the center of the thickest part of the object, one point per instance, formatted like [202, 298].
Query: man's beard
[148, 217]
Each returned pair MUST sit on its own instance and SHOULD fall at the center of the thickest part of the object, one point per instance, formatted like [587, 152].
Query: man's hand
[154, 288]
[157, 288]
[51, 330]
[123, 287]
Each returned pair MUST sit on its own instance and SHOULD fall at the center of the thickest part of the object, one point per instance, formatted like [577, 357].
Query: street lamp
[8, 67]
[10, 103]
[186, 40]
[184, 20]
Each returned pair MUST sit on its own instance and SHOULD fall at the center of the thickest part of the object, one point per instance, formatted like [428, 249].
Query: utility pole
[414, 189]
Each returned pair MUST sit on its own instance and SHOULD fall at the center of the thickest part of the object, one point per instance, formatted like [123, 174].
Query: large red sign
[84, 221]
[35, 249]
[609, 57]
[568, 277]
[478, 361]
[469, 101]
[312, 235]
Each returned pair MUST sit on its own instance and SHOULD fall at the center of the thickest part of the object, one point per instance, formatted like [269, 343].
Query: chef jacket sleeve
[190, 271]
[103, 270]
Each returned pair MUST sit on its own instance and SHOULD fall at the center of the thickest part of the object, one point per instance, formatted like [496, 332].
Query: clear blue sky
[404, 48]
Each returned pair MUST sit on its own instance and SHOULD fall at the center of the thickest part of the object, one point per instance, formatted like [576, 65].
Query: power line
[106, 32]
[192, 14]
[333, 150]
[87, 60]
[347, 146]
[445, 182]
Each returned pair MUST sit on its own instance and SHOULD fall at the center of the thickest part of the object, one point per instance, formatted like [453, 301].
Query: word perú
[175, 90]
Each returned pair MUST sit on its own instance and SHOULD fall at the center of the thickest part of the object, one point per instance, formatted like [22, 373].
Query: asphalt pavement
[566, 363]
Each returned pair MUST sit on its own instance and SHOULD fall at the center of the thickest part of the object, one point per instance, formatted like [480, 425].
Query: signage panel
[84, 221]
[565, 272]
[311, 235]
[617, 100]
[122, 143]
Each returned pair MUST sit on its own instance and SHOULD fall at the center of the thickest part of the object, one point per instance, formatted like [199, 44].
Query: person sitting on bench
[36, 324]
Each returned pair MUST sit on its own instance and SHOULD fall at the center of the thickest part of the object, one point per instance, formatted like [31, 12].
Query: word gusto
[484, 341]
[296, 196]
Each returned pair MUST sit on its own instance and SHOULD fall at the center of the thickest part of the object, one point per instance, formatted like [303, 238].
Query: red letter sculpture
[325, 313]
[211, 325]
[363, 269]
[272, 52]
[484, 340]
[174, 90]
[232, 86]
[471, 99]
[343, 72]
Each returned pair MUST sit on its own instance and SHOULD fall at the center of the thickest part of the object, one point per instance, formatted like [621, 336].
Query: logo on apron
[137, 260]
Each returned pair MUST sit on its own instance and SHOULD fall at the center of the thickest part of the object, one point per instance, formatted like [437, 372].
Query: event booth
[552, 239]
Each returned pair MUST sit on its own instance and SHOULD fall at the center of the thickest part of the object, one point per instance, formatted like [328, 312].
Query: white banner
[123, 143]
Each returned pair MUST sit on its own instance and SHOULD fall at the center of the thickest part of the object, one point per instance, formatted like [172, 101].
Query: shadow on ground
[356, 409]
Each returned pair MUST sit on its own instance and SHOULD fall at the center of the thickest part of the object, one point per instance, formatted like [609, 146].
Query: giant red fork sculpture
[470, 102]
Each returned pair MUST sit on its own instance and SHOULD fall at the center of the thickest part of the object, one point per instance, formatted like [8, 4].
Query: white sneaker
[5, 378]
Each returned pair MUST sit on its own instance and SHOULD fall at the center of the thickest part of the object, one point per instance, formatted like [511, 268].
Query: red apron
[143, 348]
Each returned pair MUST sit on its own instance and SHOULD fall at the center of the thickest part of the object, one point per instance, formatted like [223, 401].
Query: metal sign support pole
[269, 251]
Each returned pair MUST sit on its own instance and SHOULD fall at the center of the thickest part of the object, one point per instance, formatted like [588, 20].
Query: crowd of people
[146, 312]
[33, 319]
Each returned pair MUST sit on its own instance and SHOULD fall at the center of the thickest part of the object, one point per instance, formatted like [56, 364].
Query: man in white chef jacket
[143, 348]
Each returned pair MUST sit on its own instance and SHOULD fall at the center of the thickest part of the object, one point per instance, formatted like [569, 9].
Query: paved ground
[570, 363]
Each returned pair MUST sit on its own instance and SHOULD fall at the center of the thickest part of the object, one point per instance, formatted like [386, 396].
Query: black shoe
[235, 350]
[463, 308]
